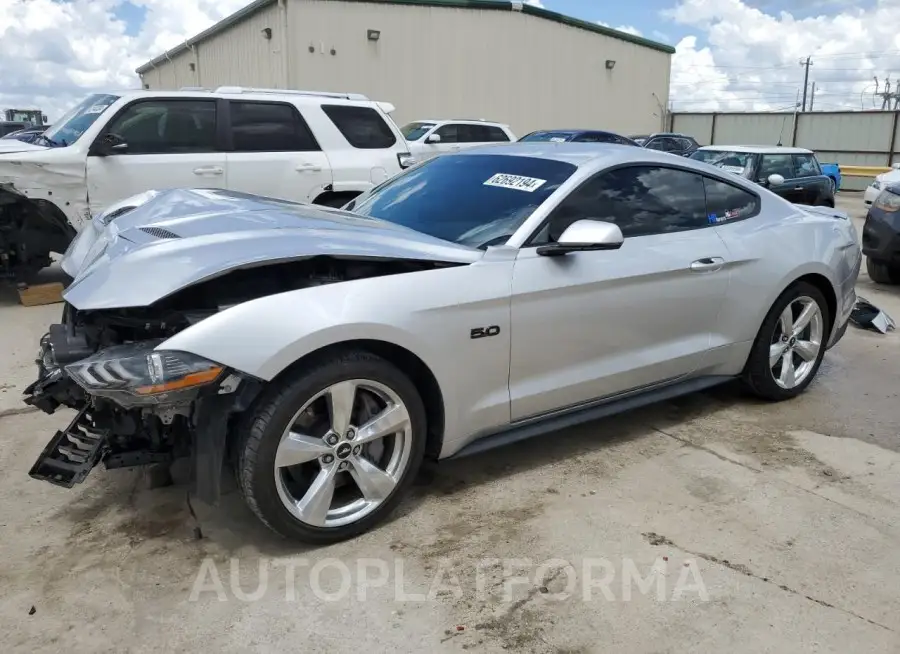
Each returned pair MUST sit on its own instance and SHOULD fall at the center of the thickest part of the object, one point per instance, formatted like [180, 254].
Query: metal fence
[848, 138]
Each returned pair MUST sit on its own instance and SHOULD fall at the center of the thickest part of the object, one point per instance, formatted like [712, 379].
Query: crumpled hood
[172, 239]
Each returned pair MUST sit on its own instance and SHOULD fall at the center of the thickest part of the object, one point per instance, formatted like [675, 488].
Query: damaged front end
[135, 405]
[30, 229]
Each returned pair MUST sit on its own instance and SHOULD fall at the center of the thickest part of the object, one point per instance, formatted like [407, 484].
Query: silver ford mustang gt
[474, 300]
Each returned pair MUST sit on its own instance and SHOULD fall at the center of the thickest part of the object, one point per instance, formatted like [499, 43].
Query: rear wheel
[789, 347]
[331, 451]
[882, 273]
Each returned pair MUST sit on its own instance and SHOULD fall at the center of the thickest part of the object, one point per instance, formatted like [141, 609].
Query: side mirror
[109, 144]
[585, 236]
[775, 180]
[433, 138]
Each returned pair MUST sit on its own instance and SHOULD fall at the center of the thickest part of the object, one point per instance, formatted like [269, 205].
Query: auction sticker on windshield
[517, 182]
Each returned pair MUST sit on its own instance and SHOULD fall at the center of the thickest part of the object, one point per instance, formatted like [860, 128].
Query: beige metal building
[492, 59]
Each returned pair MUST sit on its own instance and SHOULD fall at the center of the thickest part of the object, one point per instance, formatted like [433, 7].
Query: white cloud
[751, 60]
[53, 53]
[628, 29]
[535, 3]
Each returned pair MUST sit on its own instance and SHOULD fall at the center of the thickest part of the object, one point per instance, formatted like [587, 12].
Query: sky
[731, 55]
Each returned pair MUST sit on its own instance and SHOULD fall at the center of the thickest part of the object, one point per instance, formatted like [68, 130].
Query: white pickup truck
[303, 146]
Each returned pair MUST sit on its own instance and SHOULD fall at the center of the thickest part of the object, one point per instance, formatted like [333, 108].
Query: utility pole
[812, 97]
[806, 65]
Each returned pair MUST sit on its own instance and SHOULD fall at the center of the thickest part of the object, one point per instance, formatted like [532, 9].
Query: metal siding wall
[177, 72]
[846, 131]
[697, 125]
[240, 56]
[434, 62]
[753, 129]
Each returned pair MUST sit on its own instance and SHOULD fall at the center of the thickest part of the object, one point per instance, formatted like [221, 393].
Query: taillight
[406, 160]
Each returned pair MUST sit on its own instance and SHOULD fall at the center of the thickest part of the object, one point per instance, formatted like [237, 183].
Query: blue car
[578, 136]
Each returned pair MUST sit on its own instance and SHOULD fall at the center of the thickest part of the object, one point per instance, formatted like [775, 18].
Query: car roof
[756, 149]
[473, 121]
[235, 92]
[584, 154]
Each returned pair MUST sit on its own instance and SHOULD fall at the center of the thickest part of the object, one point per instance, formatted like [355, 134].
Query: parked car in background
[27, 135]
[674, 142]
[478, 299]
[881, 182]
[577, 136]
[881, 236]
[323, 148]
[430, 138]
[792, 173]
[833, 171]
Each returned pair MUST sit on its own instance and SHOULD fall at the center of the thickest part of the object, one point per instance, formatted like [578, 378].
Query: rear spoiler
[386, 107]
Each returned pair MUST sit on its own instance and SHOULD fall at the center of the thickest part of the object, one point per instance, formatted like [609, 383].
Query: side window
[471, 134]
[776, 164]
[269, 127]
[449, 133]
[805, 165]
[725, 202]
[664, 143]
[167, 126]
[363, 127]
[684, 144]
[495, 134]
[641, 200]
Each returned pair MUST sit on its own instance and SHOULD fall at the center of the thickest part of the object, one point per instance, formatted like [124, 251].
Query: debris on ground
[32, 610]
[868, 316]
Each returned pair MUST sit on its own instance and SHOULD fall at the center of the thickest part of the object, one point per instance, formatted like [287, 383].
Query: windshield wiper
[49, 141]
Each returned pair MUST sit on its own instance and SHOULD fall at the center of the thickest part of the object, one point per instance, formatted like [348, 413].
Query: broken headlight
[138, 374]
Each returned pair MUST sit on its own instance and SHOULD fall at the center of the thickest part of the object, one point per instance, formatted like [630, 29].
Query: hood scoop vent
[159, 232]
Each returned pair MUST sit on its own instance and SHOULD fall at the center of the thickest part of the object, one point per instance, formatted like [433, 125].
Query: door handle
[310, 167]
[798, 188]
[709, 264]
[209, 170]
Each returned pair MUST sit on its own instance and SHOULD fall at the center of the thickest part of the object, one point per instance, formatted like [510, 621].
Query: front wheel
[329, 452]
[789, 347]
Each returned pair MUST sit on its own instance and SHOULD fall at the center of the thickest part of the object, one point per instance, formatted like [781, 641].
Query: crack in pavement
[779, 480]
[657, 539]
[17, 411]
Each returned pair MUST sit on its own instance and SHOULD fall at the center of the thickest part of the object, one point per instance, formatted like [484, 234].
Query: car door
[450, 141]
[591, 325]
[809, 177]
[780, 164]
[168, 143]
[272, 152]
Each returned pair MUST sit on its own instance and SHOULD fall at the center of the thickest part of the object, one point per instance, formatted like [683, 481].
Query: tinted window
[472, 200]
[449, 133]
[167, 126]
[664, 143]
[725, 202]
[601, 137]
[496, 134]
[805, 165]
[471, 133]
[415, 131]
[776, 164]
[269, 127]
[641, 200]
[684, 144]
[363, 127]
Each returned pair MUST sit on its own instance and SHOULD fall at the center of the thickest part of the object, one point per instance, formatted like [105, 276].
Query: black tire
[261, 433]
[758, 375]
[882, 273]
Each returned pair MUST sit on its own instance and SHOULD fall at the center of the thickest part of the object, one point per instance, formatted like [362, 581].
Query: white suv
[429, 138]
[304, 146]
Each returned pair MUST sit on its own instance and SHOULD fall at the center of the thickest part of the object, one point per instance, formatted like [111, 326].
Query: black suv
[668, 142]
[881, 237]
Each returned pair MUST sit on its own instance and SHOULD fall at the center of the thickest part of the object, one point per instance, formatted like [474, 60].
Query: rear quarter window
[363, 127]
[726, 203]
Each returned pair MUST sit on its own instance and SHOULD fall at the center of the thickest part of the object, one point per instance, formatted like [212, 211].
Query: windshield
[76, 121]
[733, 162]
[556, 137]
[473, 200]
[415, 131]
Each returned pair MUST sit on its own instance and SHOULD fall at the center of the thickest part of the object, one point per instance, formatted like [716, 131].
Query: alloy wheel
[343, 453]
[796, 342]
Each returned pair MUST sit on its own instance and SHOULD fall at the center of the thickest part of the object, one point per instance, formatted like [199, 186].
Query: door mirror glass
[110, 144]
[434, 138]
[775, 179]
[585, 236]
